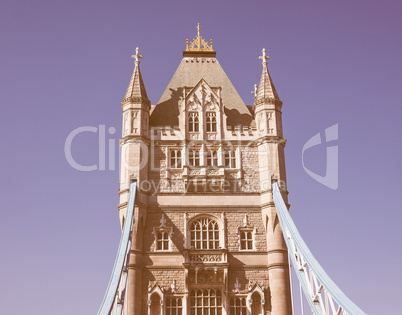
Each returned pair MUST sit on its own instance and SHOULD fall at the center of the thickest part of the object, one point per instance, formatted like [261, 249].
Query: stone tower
[206, 236]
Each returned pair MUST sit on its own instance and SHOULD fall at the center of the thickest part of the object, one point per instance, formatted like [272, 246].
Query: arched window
[256, 307]
[205, 302]
[204, 234]
[211, 122]
[193, 122]
[155, 307]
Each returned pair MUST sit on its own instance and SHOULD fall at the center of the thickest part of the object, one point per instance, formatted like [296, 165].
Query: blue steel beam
[119, 273]
[297, 247]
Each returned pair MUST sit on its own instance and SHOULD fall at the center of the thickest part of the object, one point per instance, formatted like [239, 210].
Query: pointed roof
[266, 90]
[198, 63]
[136, 89]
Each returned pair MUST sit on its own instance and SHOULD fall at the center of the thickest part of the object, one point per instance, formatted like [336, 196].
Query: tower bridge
[211, 234]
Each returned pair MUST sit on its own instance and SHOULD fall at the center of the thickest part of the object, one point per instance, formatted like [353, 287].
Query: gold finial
[198, 43]
[264, 56]
[137, 56]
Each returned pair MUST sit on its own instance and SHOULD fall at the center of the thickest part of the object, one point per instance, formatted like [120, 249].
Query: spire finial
[199, 44]
[137, 56]
[255, 90]
[264, 56]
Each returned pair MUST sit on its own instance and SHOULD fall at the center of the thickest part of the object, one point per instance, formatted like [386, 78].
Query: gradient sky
[66, 64]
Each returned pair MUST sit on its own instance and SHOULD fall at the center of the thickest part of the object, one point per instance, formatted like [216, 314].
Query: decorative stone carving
[134, 122]
[125, 123]
[261, 124]
[213, 172]
[205, 258]
[212, 136]
[206, 276]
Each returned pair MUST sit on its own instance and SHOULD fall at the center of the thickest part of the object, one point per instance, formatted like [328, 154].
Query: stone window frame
[247, 228]
[232, 158]
[246, 231]
[174, 309]
[193, 121]
[255, 289]
[221, 226]
[194, 299]
[211, 122]
[207, 236]
[164, 229]
[194, 160]
[155, 290]
[176, 158]
[212, 157]
[243, 307]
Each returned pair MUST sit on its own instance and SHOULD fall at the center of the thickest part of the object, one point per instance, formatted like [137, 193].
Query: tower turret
[267, 108]
[134, 165]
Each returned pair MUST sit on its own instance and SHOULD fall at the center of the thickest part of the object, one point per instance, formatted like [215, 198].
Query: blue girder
[114, 296]
[297, 248]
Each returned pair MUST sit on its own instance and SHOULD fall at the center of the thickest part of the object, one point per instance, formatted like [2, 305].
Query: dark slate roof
[188, 74]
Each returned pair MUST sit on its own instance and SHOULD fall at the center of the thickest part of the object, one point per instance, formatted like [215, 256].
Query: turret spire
[266, 90]
[136, 89]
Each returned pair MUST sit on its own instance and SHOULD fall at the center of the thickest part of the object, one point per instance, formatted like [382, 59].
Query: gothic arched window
[211, 122]
[193, 122]
[204, 234]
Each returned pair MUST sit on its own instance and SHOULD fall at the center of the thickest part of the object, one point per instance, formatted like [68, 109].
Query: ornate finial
[264, 56]
[255, 90]
[137, 56]
[237, 285]
[163, 221]
[198, 43]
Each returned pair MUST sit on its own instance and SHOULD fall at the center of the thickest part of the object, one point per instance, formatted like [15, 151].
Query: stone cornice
[142, 100]
[134, 139]
[268, 100]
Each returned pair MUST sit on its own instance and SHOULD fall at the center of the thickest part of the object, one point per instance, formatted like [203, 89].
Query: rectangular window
[246, 239]
[212, 158]
[238, 306]
[162, 240]
[175, 158]
[211, 122]
[194, 157]
[193, 122]
[230, 158]
[174, 306]
[205, 302]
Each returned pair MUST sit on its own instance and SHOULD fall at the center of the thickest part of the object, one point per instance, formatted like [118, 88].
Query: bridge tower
[206, 237]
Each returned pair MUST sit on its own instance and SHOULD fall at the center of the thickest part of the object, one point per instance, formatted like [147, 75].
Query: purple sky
[66, 64]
